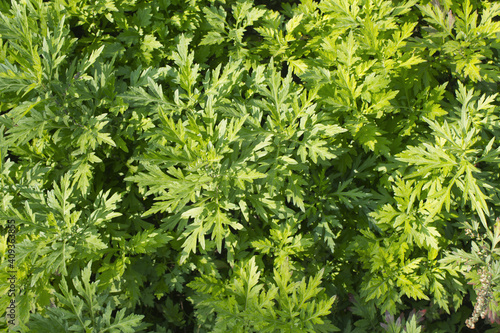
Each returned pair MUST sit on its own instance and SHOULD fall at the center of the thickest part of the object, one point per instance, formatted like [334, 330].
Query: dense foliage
[250, 166]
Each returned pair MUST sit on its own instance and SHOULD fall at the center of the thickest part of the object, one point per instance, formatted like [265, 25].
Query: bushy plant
[249, 166]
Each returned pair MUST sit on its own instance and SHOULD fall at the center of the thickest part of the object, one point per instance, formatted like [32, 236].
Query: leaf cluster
[249, 166]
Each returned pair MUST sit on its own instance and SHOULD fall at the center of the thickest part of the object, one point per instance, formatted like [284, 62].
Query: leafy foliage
[87, 314]
[480, 267]
[250, 166]
[244, 304]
